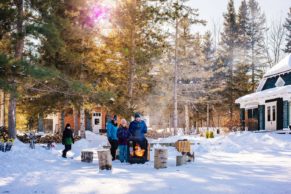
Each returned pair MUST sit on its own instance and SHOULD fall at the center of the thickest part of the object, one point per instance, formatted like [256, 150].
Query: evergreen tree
[287, 25]
[256, 34]
[174, 12]
[243, 39]
[137, 40]
[227, 53]
[241, 74]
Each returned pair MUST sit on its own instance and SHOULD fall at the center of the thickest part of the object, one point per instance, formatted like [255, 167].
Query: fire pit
[137, 151]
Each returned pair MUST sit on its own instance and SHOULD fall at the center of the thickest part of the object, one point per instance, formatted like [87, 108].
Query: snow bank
[234, 142]
[92, 141]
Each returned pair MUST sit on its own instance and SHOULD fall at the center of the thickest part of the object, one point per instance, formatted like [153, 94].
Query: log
[160, 158]
[87, 156]
[180, 160]
[105, 159]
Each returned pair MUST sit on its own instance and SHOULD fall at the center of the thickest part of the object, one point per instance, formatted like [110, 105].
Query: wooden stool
[105, 159]
[87, 156]
[180, 160]
[160, 158]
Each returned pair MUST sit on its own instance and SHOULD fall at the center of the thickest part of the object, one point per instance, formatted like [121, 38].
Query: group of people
[118, 136]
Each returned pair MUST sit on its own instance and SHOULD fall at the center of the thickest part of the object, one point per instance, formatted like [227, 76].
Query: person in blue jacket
[112, 127]
[138, 128]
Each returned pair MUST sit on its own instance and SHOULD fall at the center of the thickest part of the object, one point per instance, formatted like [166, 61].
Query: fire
[138, 151]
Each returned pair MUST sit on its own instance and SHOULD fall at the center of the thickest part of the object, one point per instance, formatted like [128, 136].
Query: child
[67, 140]
[123, 135]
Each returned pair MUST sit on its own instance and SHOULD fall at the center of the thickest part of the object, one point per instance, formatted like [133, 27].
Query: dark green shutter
[285, 114]
[242, 118]
[261, 117]
[280, 114]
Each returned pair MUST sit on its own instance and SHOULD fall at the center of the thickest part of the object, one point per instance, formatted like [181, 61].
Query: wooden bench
[184, 147]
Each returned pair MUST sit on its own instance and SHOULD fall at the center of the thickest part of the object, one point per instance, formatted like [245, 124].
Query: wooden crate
[183, 146]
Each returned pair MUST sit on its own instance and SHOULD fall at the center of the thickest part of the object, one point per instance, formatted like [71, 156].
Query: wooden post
[105, 159]
[149, 152]
[180, 160]
[160, 158]
[87, 156]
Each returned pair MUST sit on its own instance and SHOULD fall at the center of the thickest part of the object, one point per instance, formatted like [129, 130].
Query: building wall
[103, 115]
[69, 117]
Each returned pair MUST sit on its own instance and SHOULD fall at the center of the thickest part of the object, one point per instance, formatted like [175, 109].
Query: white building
[269, 108]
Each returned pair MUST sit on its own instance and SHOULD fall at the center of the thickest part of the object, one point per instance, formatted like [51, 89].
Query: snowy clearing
[237, 163]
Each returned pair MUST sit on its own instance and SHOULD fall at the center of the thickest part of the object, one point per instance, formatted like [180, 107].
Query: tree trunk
[2, 113]
[61, 122]
[82, 122]
[175, 81]
[87, 156]
[76, 120]
[160, 158]
[104, 159]
[207, 116]
[132, 62]
[40, 123]
[19, 45]
[186, 119]
[12, 116]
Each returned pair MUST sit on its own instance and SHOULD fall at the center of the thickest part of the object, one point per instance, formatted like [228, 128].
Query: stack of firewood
[56, 138]
[152, 134]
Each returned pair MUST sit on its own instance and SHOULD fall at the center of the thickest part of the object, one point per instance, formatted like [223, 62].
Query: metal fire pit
[137, 151]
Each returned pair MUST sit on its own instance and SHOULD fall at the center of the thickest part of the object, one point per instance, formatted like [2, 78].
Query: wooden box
[183, 146]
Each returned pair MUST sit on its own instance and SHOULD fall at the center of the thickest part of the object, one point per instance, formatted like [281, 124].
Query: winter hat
[137, 115]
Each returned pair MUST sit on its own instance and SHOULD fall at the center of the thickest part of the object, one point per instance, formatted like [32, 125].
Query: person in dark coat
[138, 128]
[67, 140]
[123, 135]
[111, 128]
[137, 131]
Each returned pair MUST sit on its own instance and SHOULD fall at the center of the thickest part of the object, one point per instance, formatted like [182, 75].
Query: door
[96, 122]
[271, 115]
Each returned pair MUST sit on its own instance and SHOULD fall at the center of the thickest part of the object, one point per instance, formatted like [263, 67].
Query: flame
[138, 151]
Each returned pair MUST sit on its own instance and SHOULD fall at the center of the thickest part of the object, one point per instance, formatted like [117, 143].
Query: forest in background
[131, 56]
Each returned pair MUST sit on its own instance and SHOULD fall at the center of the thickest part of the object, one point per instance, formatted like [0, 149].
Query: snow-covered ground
[236, 163]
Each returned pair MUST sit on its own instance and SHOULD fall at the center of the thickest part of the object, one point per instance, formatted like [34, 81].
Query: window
[269, 113]
[98, 114]
[274, 113]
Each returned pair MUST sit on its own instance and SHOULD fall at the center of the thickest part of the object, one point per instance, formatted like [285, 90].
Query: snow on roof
[266, 94]
[283, 66]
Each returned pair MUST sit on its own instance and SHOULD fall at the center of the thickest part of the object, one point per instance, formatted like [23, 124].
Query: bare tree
[277, 35]
[216, 31]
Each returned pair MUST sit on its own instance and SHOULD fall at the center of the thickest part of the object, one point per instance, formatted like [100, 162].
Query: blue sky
[212, 10]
